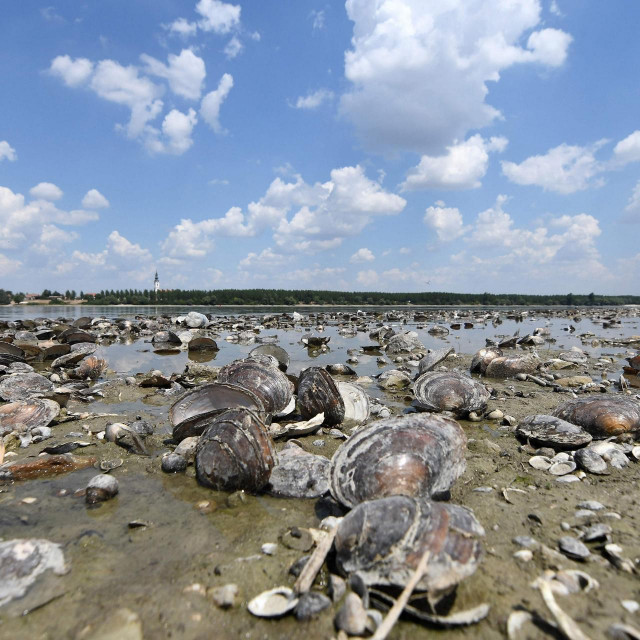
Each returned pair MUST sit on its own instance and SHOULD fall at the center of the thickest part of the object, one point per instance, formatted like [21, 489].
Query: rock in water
[22, 561]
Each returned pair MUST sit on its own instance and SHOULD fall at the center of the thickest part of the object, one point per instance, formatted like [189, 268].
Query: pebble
[568, 479]
[525, 541]
[584, 513]
[100, 488]
[590, 504]
[336, 587]
[310, 604]
[474, 417]
[496, 414]
[483, 489]
[591, 461]
[174, 463]
[187, 448]
[525, 555]
[573, 548]
[597, 532]
[269, 548]
[318, 443]
[352, 617]
[631, 606]
[613, 515]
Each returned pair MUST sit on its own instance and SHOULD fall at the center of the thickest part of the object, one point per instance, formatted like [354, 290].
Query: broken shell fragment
[383, 541]
[602, 416]
[450, 391]
[417, 455]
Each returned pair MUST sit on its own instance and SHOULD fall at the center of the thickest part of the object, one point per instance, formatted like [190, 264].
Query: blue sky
[396, 145]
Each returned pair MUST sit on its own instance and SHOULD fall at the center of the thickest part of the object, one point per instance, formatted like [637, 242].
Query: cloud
[219, 17]
[446, 222]
[362, 255]
[628, 150]
[72, 72]
[266, 259]
[185, 72]
[302, 217]
[318, 18]
[51, 237]
[7, 265]
[564, 169]
[93, 199]
[233, 48]
[50, 15]
[182, 27]
[211, 103]
[633, 206]
[46, 191]
[313, 100]
[177, 128]
[367, 278]
[420, 70]
[7, 151]
[462, 167]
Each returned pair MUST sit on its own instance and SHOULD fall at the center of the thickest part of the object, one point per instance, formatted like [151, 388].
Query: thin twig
[308, 574]
[394, 613]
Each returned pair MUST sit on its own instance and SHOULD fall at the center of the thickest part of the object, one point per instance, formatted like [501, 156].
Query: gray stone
[310, 604]
[573, 548]
[352, 617]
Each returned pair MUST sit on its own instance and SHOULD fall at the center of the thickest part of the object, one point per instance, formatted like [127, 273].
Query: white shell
[540, 462]
[562, 468]
[273, 603]
[356, 404]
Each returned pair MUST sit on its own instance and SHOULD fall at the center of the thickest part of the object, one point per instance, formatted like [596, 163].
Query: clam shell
[405, 342]
[356, 404]
[15, 353]
[602, 416]
[415, 455]
[203, 344]
[433, 358]
[22, 386]
[188, 414]
[23, 416]
[166, 337]
[271, 386]
[318, 393]
[549, 431]
[450, 391]
[273, 603]
[77, 353]
[510, 366]
[75, 336]
[482, 358]
[235, 452]
[383, 541]
[273, 350]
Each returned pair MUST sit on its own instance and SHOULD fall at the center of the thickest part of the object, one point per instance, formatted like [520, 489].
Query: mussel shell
[202, 344]
[55, 351]
[21, 386]
[74, 336]
[416, 455]
[8, 349]
[189, 413]
[482, 358]
[383, 541]
[235, 452]
[267, 382]
[166, 337]
[356, 404]
[273, 350]
[510, 366]
[602, 416]
[91, 367]
[550, 431]
[432, 358]
[318, 393]
[77, 353]
[450, 391]
[24, 416]
[405, 342]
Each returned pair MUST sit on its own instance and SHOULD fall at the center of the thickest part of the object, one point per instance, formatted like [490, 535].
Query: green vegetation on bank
[285, 297]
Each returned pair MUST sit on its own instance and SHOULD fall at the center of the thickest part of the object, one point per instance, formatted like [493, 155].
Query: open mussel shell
[318, 393]
[265, 381]
[202, 344]
[450, 391]
[21, 386]
[235, 452]
[482, 358]
[356, 404]
[433, 358]
[23, 416]
[602, 416]
[273, 350]
[91, 367]
[510, 366]
[549, 431]
[189, 413]
[416, 455]
[273, 603]
[383, 541]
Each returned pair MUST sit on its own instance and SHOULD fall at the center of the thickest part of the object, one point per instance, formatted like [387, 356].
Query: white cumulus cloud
[7, 151]
[93, 199]
[446, 222]
[420, 71]
[46, 191]
[362, 255]
[211, 103]
[628, 150]
[72, 72]
[185, 72]
[233, 48]
[313, 100]
[219, 17]
[462, 167]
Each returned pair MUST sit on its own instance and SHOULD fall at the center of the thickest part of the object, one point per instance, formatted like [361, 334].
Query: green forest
[285, 297]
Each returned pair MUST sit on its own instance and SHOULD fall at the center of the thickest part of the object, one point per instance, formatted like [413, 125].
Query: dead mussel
[510, 366]
[235, 452]
[602, 416]
[273, 350]
[23, 416]
[482, 358]
[267, 382]
[549, 431]
[383, 541]
[23, 386]
[189, 414]
[450, 391]
[318, 393]
[416, 455]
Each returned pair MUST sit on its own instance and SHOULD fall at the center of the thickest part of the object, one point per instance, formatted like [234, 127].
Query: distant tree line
[287, 297]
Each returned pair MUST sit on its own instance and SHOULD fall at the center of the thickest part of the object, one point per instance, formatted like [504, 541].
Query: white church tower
[156, 284]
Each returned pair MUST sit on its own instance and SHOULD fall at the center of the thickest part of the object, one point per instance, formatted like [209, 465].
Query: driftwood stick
[567, 625]
[394, 613]
[308, 574]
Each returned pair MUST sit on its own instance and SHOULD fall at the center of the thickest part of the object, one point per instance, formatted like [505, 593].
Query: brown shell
[416, 455]
[21, 386]
[6, 348]
[90, 367]
[450, 391]
[55, 351]
[383, 541]
[235, 453]
[267, 382]
[318, 393]
[602, 416]
[482, 358]
[77, 353]
[273, 350]
[75, 336]
[509, 366]
[24, 416]
[550, 431]
[203, 344]
[189, 414]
